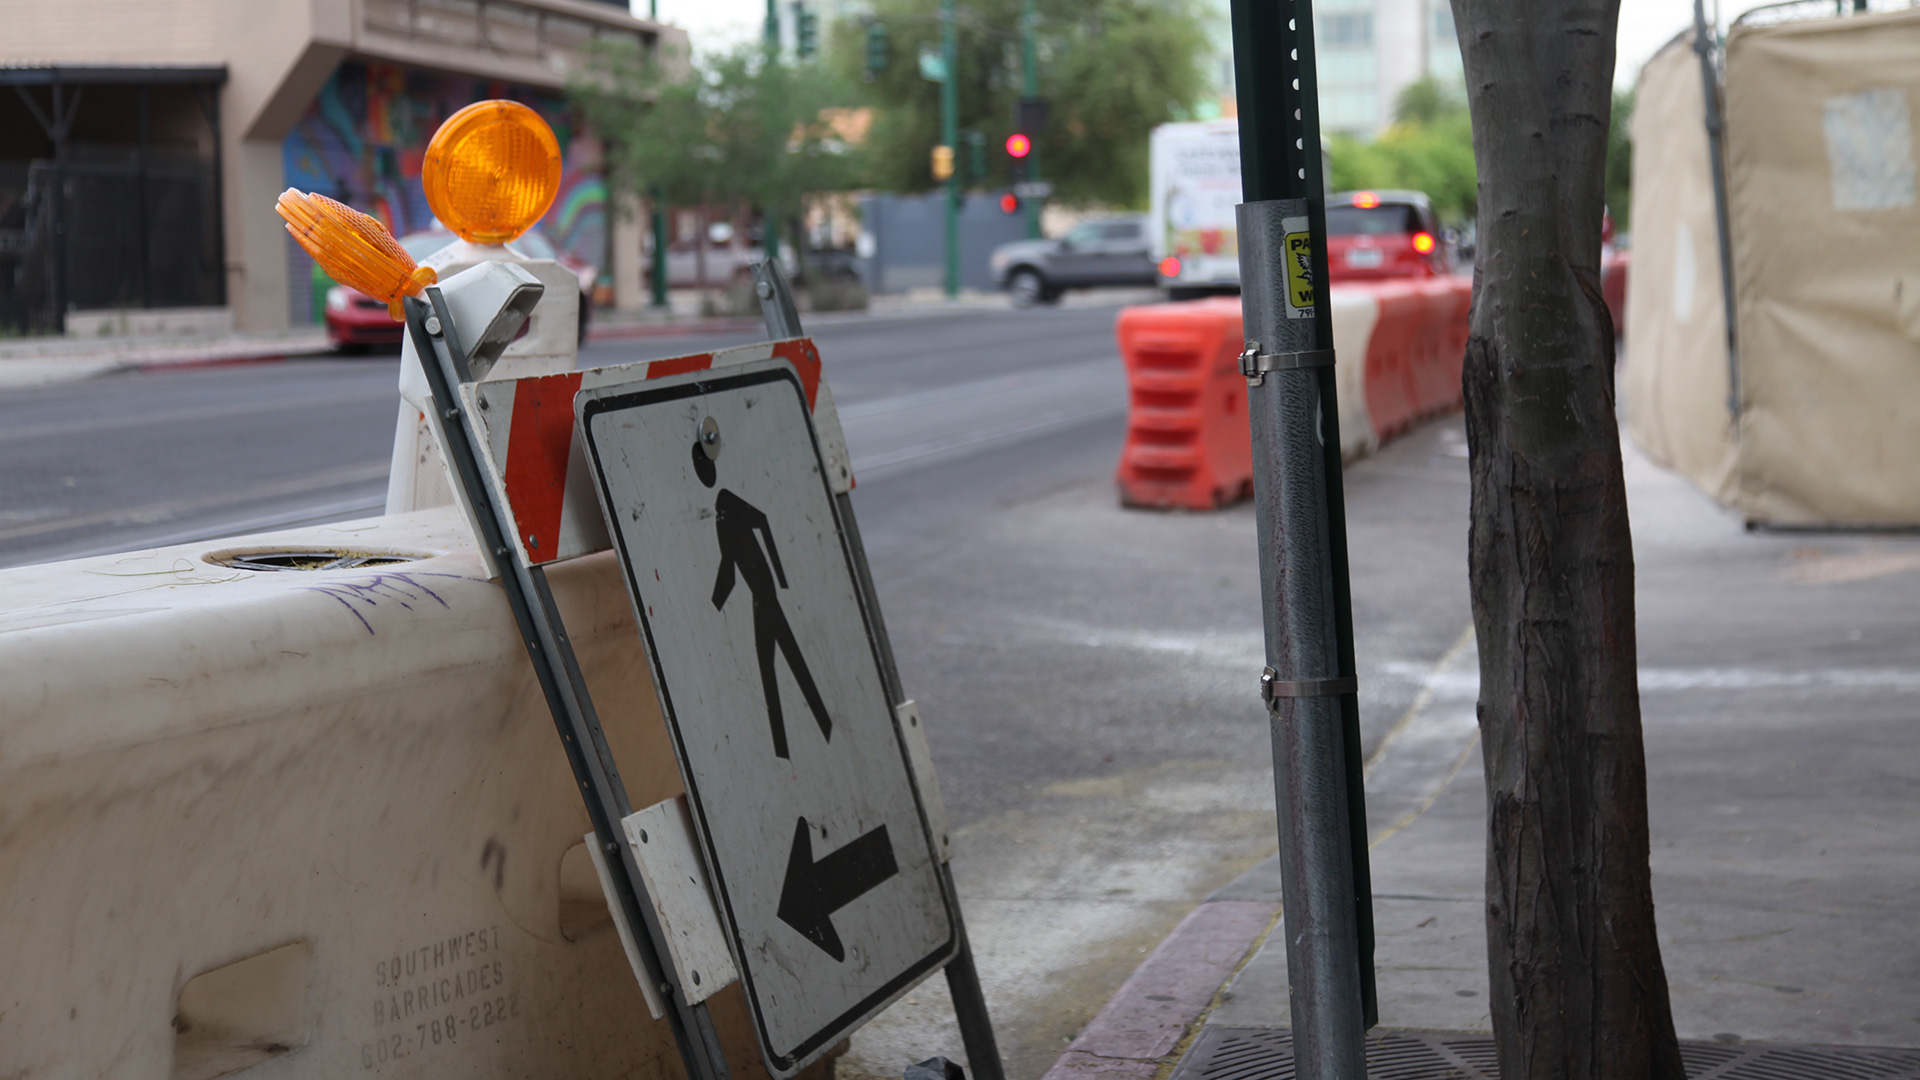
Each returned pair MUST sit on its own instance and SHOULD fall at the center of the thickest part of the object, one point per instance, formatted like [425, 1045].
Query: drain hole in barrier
[310, 559]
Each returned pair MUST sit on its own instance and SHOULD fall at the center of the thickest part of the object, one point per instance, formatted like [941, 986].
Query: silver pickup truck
[1111, 251]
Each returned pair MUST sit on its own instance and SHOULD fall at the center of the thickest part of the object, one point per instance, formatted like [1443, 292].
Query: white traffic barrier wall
[317, 818]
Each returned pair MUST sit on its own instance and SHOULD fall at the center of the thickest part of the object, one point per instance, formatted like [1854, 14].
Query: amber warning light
[491, 171]
[1423, 242]
[354, 249]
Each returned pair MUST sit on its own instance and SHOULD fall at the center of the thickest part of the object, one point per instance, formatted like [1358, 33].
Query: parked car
[1385, 234]
[1112, 251]
[357, 322]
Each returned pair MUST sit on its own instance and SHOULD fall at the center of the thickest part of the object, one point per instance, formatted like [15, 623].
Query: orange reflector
[1009, 203]
[1422, 242]
[1169, 267]
[1366, 200]
[354, 249]
[491, 171]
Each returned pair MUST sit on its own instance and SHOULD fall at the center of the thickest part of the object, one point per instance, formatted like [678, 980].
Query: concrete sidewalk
[1777, 675]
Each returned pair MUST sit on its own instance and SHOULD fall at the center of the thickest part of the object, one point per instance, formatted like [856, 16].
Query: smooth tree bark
[1578, 988]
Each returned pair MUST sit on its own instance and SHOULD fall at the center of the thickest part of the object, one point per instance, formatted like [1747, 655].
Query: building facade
[1368, 51]
[143, 142]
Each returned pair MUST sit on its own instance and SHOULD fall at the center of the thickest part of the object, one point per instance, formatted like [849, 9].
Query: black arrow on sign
[815, 890]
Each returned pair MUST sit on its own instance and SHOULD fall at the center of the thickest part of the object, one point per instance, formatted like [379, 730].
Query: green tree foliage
[1620, 160]
[1112, 70]
[1428, 148]
[735, 128]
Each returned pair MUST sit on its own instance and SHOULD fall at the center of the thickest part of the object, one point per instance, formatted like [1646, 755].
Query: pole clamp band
[1255, 364]
[1273, 687]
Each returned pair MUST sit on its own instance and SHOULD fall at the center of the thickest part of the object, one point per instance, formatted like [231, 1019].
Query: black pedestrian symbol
[736, 521]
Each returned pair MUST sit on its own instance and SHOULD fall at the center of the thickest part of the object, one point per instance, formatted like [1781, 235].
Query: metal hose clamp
[1255, 364]
[1273, 687]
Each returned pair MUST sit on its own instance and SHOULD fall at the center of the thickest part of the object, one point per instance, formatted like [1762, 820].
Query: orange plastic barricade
[1188, 443]
[1414, 354]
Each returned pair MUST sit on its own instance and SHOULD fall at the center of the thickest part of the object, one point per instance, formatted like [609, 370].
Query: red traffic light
[1009, 203]
[1019, 145]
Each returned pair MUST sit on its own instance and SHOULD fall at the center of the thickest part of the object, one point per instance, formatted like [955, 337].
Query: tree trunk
[1578, 989]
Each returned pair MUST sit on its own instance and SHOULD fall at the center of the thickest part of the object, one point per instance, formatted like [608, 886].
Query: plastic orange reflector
[1366, 200]
[354, 249]
[1019, 145]
[1170, 267]
[1422, 242]
[491, 171]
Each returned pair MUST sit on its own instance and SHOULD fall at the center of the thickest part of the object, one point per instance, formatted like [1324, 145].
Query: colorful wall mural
[364, 136]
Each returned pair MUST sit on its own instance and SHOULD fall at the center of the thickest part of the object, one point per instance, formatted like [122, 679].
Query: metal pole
[1030, 88]
[658, 213]
[530, 599]
[1300, 515]
[1706, 47]
[950, 137]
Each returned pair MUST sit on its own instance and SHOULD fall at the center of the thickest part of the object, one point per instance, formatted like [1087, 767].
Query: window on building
[1443, 26]
[1347, 31]
[1349, 111]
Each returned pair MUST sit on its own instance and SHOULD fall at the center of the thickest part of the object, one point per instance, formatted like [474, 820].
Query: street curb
[1152, 1012]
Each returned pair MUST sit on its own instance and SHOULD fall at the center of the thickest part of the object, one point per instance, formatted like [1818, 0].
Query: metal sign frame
[617, 400]
[436, 343]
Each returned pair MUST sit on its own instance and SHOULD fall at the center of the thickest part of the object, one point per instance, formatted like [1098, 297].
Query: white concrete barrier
[318, 822]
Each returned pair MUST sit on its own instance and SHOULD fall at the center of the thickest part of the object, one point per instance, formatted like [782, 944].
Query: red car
[1384, 234]
[357, 322]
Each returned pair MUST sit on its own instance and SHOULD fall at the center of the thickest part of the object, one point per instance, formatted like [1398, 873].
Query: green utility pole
[950, 136]
[770, 218]
[659, 215]
[1030, 88]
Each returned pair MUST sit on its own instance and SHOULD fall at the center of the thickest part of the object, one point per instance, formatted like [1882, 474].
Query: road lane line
[164, 511]
[204, 412]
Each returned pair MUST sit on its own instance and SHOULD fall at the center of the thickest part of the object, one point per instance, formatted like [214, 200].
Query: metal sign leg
[531, 600]
[963, 979]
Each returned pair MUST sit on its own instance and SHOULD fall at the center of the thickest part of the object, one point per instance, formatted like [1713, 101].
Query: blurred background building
[143, 142]
[1369, 50]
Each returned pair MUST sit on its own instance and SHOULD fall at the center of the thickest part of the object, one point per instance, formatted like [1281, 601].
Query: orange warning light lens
[1422, 242]
[1366, 200]
[491, 171]
[354, 249]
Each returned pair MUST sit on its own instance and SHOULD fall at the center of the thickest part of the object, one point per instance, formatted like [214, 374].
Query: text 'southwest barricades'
[1399, 344]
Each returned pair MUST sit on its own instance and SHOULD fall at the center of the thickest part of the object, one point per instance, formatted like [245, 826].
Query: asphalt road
[144, 459]
[1087, 672]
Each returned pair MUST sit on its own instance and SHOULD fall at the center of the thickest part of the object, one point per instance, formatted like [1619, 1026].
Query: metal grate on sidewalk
[1229, 1053]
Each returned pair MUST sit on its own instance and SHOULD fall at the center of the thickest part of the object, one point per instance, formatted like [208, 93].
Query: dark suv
[1112, 251]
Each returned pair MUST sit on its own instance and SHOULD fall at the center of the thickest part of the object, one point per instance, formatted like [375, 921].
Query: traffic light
[943, 163]
[1019, 145]
[1030, 115]
[876, 50]
[806, 28]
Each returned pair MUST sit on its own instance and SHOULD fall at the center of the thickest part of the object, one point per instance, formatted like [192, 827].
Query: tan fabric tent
[1675, 376]
[1826, 239]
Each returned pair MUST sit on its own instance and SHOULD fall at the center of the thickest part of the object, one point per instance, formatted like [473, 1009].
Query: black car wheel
[1028, 288]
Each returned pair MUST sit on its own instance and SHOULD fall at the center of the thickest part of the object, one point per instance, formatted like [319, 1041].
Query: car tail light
[1169, 267]
[1366, 200]
[1423, 242]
